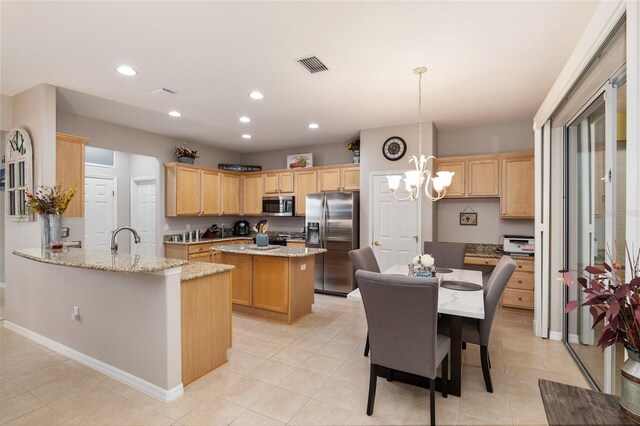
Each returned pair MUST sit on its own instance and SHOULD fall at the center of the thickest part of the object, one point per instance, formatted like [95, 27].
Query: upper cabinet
[306, 183]
[281, 183]
[474, 177]
[211, 202]
[230, 194]
[252, 195]
[517, 181]
[339, 179]
[70, 169]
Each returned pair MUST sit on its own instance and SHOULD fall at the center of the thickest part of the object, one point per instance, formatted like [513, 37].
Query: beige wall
[490, 139]
[323, 155]
[372, 160]
[6, 122]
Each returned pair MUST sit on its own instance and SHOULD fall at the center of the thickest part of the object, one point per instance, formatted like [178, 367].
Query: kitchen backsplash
[176, 225]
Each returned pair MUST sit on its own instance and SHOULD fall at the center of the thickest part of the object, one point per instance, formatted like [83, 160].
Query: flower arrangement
[183, 151]
[354, 144]
[610, 298]
[424, 260]
[47, 200]
[423, 265]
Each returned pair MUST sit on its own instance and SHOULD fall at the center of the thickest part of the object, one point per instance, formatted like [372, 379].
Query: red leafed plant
[608, 297]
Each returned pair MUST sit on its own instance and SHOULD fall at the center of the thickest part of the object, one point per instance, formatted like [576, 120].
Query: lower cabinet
[241, 277]
[271, 283]
[520, 288]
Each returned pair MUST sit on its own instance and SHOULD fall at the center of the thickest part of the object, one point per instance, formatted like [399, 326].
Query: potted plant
[50, 204]
[616, 301]
[186, 155]
[354, 146]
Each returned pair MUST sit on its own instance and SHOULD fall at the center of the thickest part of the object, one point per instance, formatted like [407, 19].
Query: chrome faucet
[114, 245]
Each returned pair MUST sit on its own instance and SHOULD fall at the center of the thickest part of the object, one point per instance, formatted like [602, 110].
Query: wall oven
[278, 206]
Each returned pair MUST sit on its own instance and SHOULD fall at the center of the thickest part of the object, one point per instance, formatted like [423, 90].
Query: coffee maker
[241, 228]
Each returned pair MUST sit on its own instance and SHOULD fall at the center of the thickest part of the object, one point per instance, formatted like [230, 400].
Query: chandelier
[414, 179]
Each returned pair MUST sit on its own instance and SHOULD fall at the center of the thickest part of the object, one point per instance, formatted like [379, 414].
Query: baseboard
[573, 338]
[555, 335]
[111, 371]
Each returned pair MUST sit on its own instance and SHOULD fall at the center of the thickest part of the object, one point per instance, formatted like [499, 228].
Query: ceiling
[489, 62]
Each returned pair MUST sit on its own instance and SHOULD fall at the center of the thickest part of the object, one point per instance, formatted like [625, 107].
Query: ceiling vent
[162, 92]
[312, 64]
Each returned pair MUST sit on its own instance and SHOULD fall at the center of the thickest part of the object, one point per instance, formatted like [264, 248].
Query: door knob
[377, 243]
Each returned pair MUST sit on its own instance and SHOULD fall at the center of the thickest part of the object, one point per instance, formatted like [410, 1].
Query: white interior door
[143, 216]
[395, 227]
[99, 211]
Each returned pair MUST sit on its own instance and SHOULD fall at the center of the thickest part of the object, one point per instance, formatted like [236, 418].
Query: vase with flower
[423, 265]
[50, 203]
[616, 302]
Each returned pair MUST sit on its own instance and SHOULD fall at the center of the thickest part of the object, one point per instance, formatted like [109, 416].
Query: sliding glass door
[595, 218]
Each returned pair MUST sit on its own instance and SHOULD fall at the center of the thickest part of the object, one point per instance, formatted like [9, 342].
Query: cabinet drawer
[491, 261]
[200, 257]
[199, 248]
[521, 280]
[524, 265]
[518, 298]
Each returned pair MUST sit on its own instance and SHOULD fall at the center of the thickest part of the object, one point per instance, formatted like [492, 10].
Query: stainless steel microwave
[278, 206]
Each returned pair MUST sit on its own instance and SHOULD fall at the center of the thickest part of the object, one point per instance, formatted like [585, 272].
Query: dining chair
[479, 331]
[446, 255]
[364, 259]
[402, 315]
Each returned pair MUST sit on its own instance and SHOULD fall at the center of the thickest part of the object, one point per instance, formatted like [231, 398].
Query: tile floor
[310, 373]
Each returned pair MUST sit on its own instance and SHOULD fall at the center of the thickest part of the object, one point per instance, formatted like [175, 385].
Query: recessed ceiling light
[313, 125]
[126, 70]
[256, 95]
[246, 136]
[175, 114]
[244, 119]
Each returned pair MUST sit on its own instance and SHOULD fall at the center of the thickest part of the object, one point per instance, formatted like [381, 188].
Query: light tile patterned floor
[310, 373]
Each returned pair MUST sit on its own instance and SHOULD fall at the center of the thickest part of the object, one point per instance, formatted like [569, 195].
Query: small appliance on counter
[518, 245]
[241, 228]
[226, 232]
[212, 232]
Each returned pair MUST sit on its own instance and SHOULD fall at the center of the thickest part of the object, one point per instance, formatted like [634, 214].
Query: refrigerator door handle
[323, 225]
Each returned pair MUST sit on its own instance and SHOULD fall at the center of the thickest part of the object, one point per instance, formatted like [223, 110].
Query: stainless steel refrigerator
[332, 223]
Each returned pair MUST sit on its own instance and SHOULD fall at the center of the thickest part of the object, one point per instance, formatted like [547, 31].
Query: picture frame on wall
[469, 219]
[299, 161]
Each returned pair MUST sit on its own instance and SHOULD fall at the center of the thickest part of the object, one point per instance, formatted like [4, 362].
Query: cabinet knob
[520, 266]
[520, 298]
[520, 281]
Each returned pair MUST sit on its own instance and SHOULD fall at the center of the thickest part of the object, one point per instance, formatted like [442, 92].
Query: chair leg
[373, 379]
[445, 376]
[390, 375]
[484, 359]
[432, 400]
[489, 358]
[464, 346]
[366, 346]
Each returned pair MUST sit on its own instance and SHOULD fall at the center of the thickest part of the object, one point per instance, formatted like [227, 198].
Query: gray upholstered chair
[364, 259]
[478, 331]
[402, 315]
[447, 255]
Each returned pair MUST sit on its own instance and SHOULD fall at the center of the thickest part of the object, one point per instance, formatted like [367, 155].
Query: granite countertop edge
[67, 259]
[209, 240]
[279, 252]
[193, 270]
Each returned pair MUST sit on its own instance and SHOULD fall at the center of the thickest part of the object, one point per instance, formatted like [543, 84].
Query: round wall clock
[394, 148]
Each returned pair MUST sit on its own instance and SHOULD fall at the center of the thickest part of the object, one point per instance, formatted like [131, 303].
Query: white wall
[488, 139]
[323, 155]
[6, 122]
[372, 160]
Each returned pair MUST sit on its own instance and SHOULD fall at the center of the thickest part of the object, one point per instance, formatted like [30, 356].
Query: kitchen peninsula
[271, 282]
[154, 323]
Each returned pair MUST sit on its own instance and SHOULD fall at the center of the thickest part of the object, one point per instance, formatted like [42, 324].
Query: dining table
[457, 304]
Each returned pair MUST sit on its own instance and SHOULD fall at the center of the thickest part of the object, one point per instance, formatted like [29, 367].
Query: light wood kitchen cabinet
[252, 195]
[210, 193]
[187, 192]
[199, 252]
[517, 192]
[296, 244]
[306, 183]
[230, 185]
[271, 283]
[281, 183]
[339, 179]
[241, 277]
[70, 169]
[458, 187]
[483, 177]
[519, 292]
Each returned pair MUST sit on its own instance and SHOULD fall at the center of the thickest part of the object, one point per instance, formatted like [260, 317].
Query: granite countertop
[193, 270]
[100, 260]
[493, 251]
[209, 240]
[281, 251]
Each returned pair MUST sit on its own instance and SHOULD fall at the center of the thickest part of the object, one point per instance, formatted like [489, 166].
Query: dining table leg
[456, 356]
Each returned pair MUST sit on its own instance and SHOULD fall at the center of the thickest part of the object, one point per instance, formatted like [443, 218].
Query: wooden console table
[570, 405]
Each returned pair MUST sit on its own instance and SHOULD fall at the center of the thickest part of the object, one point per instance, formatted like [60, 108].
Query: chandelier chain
[420, 115]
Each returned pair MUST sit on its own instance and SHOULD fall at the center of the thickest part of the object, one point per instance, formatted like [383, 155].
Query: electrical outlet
[76, 314]
[303, 267]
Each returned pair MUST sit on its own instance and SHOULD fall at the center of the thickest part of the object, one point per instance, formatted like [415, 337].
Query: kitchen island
[153, 323]
[275, 283]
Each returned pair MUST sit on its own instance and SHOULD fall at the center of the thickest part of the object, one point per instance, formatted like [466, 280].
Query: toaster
[518, 245]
